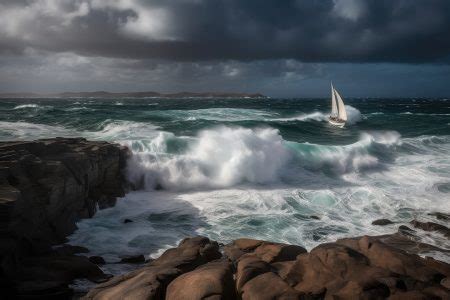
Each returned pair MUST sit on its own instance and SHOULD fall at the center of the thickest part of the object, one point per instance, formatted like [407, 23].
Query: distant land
[103, 94]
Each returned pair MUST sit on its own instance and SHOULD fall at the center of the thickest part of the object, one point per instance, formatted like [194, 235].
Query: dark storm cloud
[196, 30]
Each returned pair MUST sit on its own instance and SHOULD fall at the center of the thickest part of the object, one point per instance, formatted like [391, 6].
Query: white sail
[342, 113]
[334, 109]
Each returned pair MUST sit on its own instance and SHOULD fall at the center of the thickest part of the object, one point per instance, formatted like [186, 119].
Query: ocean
[271, 169]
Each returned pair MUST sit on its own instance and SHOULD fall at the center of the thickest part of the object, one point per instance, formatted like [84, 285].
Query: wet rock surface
[367, 267]
[382, 222]
[46, 186]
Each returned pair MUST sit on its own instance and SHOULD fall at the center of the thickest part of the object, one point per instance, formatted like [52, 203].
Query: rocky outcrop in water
[45, 187]
[378, 267]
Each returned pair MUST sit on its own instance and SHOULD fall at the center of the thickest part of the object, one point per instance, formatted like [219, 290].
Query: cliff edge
[46, 186]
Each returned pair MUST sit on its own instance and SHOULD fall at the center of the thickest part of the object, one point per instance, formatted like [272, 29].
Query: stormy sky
[369, 48]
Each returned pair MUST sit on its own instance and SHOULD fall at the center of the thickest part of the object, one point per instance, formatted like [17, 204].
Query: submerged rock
[431, 226]
[440, 216]
[382, 222]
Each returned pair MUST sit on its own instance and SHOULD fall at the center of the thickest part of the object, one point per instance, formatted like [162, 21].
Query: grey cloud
[200, 30]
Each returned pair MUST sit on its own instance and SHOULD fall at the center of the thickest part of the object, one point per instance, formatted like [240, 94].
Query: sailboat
[338, 115]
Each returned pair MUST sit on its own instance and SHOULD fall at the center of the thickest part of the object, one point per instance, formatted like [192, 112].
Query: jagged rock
[213, 280]
[382, 222]
[127, 221]
[151, 281]
[135, 259]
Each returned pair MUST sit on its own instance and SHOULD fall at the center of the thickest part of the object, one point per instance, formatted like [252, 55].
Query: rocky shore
[45, 187]
[378, 267]
[48, 185]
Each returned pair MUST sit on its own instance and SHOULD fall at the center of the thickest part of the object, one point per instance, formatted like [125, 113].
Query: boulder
[151, 281]
[213, 280]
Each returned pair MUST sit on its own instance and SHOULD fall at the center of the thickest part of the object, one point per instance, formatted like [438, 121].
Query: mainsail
[342, 113]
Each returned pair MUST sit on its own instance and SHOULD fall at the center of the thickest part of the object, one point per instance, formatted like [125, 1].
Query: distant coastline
[103, 94]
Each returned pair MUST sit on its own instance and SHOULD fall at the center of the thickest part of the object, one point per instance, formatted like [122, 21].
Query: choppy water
[253, 167]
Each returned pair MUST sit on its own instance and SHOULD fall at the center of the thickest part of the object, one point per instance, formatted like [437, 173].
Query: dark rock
[151, 281]
[431, 226]
[46, 186]
[405, 230]
[213, 280]
[69, 250]
[314, 217]
[43, 290]
[134, 259]
[127, 221]
[382, 222]
[440, 216]
[98, 260]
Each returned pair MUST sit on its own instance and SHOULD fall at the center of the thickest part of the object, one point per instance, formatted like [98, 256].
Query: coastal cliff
[46, 186]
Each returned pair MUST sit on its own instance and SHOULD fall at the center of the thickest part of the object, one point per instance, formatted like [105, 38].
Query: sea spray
[219, 157]
[227, 156]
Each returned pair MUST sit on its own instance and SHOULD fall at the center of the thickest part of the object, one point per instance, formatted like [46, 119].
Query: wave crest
[227, 156]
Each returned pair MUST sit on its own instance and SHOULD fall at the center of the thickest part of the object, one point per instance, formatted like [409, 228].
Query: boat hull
[337, 123]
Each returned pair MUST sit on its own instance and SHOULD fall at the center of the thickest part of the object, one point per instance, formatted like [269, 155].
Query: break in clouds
[172, 44]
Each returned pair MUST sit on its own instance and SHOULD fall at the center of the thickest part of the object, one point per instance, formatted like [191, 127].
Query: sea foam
[227, 156]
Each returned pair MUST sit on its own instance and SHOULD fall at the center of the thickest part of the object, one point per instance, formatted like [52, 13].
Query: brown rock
[150, 282]
[410, 295]
[384, 255]
[278, 252]
[249, 266]
[268, 286]
[213, 280]
[247, 244]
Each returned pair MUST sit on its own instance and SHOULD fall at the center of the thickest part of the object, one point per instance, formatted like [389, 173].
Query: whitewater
[270, 169]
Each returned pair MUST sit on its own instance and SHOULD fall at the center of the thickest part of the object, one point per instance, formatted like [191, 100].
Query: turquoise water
[257, 168]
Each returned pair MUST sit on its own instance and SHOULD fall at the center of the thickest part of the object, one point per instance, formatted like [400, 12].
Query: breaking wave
[228, 156]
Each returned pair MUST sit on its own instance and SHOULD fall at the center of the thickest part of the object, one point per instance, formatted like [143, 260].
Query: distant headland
[104, 94]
